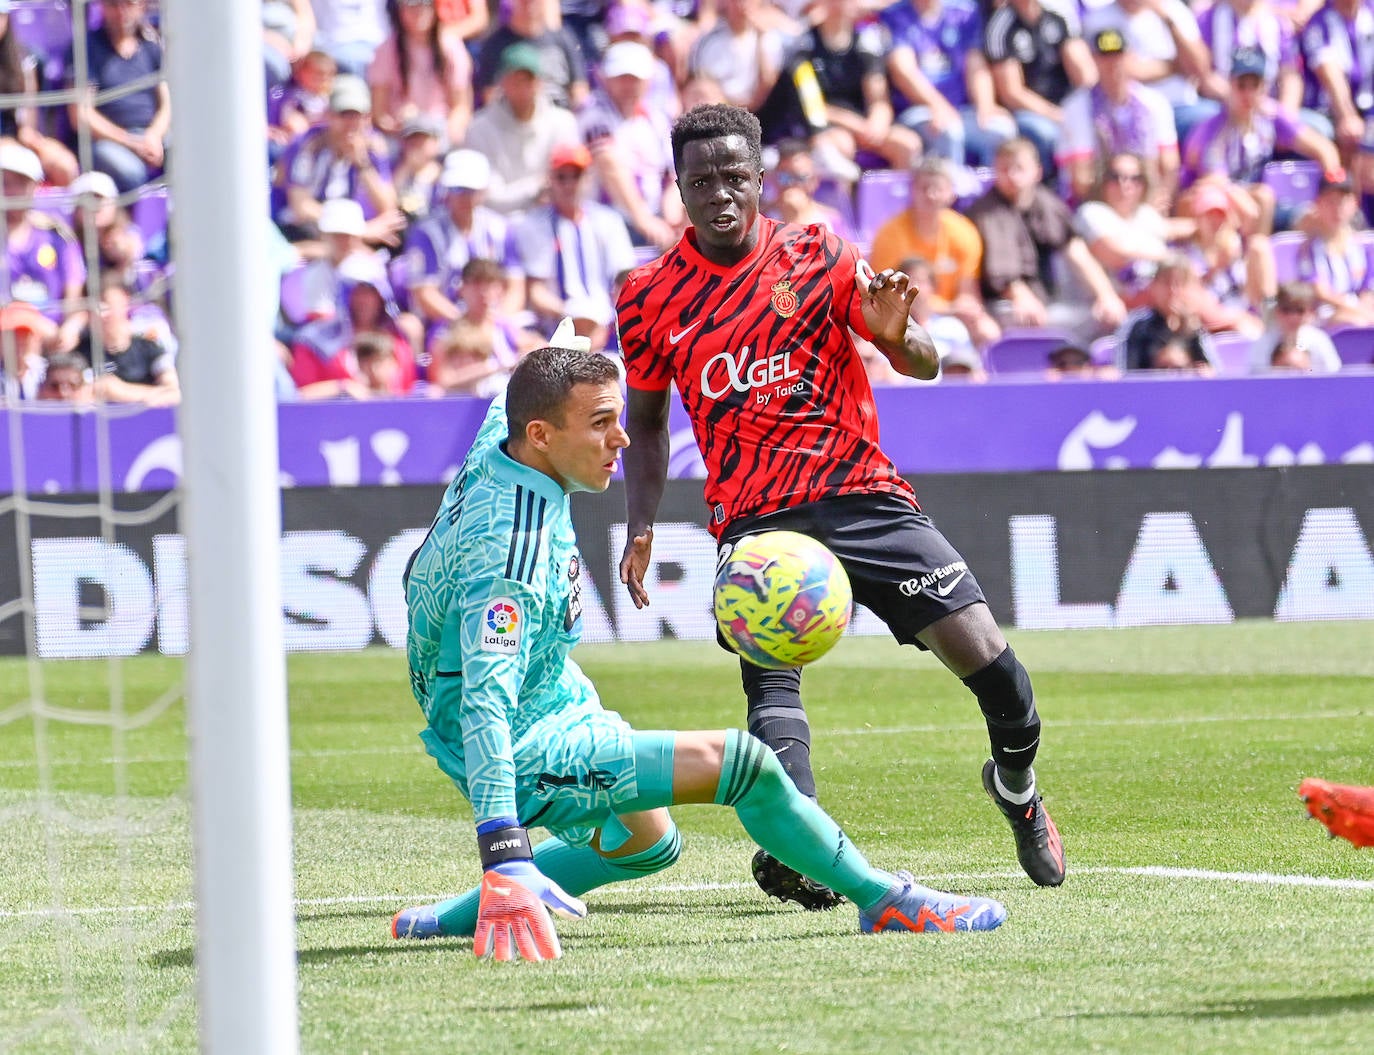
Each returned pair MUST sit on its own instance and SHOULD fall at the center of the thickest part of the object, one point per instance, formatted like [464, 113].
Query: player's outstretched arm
[516, 898]
[646, 475]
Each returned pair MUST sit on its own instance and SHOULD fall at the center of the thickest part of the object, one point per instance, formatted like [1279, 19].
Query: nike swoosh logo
[673, 338]
[946, 588]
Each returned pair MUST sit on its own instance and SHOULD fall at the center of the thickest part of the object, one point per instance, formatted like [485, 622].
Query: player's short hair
[914, 265]
[465, 339]
[792, 147]
[1018, 145]
[481, 269]
[1296, 294]
[542, 381]
[716, 121]
[1174, 264]
[63, 361]
[933, 165]
[1109, 164]
[374, 346]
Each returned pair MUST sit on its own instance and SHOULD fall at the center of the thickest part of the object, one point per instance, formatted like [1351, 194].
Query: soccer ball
[782, 599]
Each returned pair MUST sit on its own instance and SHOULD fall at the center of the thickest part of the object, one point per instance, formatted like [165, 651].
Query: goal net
[145, 902]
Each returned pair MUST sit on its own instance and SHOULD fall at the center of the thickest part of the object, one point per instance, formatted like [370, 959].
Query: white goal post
[231, 519]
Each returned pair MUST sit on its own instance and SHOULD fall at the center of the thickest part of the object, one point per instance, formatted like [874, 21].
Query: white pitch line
[1098, 723]
[1261, 878]
[1146, 871]
[869, 730]
[158, 760]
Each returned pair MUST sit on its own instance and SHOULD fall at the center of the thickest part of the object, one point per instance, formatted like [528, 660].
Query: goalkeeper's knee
[663, 854]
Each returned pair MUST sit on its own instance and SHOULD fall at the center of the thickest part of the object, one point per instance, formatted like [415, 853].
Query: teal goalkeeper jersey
[494, 601]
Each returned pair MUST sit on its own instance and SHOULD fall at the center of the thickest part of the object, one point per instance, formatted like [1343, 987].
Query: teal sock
[790, 826]
[576, 869]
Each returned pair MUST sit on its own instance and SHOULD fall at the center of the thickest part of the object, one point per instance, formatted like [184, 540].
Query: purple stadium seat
[1293, 181]
[970, 185]
[1355, 345]
[880, 195]
[149, 214]
[398, 273]
[834, 194]
[294, 305]
[1232, 353]
[1023, 351]
[276, 97]
[54, 202]
[45, 28]
[1102, 351]
[1286, 245]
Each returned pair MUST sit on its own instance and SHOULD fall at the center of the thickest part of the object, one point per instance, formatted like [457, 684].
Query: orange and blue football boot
[912, 907]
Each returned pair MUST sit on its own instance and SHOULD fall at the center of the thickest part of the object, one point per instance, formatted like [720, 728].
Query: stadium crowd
[1080, 187]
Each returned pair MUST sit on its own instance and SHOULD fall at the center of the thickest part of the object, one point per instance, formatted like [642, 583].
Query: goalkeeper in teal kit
[494, 598]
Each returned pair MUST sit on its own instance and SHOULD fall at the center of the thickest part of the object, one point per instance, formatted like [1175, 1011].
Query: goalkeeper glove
[564, 336]
[516, 898]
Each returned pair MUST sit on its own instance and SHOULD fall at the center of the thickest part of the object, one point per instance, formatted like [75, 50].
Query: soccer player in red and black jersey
[751, 320]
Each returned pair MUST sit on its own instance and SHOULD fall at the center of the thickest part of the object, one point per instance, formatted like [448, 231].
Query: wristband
[511, 843]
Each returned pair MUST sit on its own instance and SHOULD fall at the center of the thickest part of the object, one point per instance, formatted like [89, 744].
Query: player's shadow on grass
[1270, 1007]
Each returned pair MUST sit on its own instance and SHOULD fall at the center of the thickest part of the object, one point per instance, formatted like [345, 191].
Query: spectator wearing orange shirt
[931, 229]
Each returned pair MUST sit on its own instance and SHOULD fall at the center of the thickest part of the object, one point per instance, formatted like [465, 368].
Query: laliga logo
[742, 376]
[503, 618]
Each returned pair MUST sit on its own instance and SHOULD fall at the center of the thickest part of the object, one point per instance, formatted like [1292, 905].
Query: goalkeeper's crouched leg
[575, 869]
[800, 834]
[790, 826]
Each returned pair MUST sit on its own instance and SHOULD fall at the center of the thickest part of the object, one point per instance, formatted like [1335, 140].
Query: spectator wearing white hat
[324, 360]
[343, 158]
[313, 290]
[43, 261]
[19, 77]
[631, 149]
[667, 36]
[464, 229]
[99, 221]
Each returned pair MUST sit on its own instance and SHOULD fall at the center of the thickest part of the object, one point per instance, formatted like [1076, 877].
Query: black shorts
[900, 566]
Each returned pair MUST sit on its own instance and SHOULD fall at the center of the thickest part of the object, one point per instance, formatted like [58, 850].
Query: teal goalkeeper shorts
[575, 770]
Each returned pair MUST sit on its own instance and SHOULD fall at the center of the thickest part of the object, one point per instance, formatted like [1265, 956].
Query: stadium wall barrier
[1051, 550]
[1137, 423]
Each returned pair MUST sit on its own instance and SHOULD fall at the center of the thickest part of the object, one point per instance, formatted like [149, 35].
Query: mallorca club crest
[784, 301]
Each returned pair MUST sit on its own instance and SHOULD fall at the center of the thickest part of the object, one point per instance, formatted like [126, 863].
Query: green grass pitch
[1201, 913]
